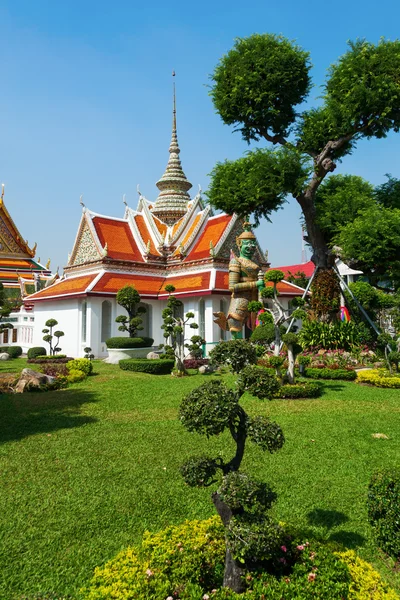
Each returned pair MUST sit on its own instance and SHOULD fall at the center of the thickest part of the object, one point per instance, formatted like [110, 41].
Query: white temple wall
[67, 314]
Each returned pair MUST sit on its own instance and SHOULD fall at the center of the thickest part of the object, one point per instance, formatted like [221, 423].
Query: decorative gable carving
[86, 250]
[8, 245]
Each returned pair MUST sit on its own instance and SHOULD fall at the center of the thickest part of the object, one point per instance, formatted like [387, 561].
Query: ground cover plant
[86, 470]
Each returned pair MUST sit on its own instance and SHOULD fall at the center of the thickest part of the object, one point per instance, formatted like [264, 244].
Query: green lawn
[86, 470]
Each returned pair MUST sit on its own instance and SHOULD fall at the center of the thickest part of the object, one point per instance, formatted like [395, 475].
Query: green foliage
[258, 381]
[274, 275]
[235, 353]
[299, 278]
[339, 200]
[300, 390]
[276, 361]
[373, 239]
[267, 293]
[199, 471]
[254, 306]
[384, 509]
[81, 364]
[166, 564]
[127, 342]
[12, 351]
[266, 434]
[265, 318]
[330, 374]
[263, 334]
[240, 492]
[129, 298]
[258, 182]
[209, 409]
[76, 375]
[258, 84]
[388, 194]
[36, 351]
[290, 338]
[263, 539]
[303, 360]
[143, 365]
[394, 358]
[315, 334]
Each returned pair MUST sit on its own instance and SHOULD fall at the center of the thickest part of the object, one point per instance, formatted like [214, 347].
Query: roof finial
[2, 191]
[81, 201]
[174, 103]
[124, 200]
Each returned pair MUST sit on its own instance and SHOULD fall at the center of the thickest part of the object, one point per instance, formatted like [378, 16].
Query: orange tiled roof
[118, 237]
[222, 283]
[212, 233]
[144, 233]
[18, 264]
[15, 275]
[195, 282]
[162, 228]
[112, 282]
[76, 285]
[190, 231]
[177, 225]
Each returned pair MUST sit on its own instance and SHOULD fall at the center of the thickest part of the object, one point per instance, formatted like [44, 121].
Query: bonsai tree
[174, 332]
[88, 353]
[49, 337]
[242, 503]
[129, 298]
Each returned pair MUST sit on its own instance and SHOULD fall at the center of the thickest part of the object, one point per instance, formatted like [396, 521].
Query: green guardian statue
[244, 283]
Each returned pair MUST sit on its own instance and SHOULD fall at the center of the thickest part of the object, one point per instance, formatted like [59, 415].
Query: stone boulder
[153, 356]
[204, 369]
[32, 381]
[4, 356]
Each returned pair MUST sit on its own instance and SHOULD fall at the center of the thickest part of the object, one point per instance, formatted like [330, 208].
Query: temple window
[105, 320]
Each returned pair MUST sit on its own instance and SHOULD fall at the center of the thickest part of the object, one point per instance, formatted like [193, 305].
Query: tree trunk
[234, 572]
[290, 371]
[322, 257]
[277, 342]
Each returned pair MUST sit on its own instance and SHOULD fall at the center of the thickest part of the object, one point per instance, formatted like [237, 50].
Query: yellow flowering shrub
[378, 377]
[366, 583]
[186, 562]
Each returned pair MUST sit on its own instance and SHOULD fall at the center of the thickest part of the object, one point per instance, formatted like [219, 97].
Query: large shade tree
[259, 87]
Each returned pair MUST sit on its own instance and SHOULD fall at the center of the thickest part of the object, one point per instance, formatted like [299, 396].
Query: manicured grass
[87, 469]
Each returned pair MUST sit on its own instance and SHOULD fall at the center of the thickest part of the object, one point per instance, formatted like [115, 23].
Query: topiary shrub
[36, 351]
[195, 363]
[58, 358]
[76, 375]
[81, 364]
[162, 366]
[263, 334]
[236, 353]
[383, 505]
[127, 342]
[379, 378]
[300, 390]
[186, 562]
[13, 351]
[330, 374]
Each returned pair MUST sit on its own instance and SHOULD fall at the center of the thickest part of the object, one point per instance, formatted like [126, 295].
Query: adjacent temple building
[174, 240]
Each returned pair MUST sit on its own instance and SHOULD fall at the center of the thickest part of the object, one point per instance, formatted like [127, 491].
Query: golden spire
[173, 198]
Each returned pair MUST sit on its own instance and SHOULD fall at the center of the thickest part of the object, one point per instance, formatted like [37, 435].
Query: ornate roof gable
[87, 247]
[11, 241]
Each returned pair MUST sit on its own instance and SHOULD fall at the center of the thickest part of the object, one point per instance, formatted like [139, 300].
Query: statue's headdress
[246, 234]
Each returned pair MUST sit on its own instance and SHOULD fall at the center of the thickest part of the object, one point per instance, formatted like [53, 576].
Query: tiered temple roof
[18, 268]
[176, 240]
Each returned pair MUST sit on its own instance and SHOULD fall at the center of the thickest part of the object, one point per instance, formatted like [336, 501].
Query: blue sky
[85, 103]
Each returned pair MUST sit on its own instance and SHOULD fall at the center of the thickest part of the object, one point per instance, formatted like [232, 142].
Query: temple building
[175, 240]
[20, 274]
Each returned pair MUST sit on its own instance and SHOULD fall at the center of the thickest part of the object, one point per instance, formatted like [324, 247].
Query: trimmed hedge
[330, 374]
[36, 351]
[12, 351]
[50, 359]
[300, 390]
[195, 363]
[383, 505]
[81, 364]
[127, 342]
[379, 378]
[157, 366]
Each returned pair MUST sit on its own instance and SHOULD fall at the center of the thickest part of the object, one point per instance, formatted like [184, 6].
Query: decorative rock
[205, 369]
[380, 436]
[153, 356]
[31, 380]
[4, 356]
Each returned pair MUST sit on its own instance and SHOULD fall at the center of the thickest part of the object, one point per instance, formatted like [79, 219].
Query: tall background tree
[258, 87]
